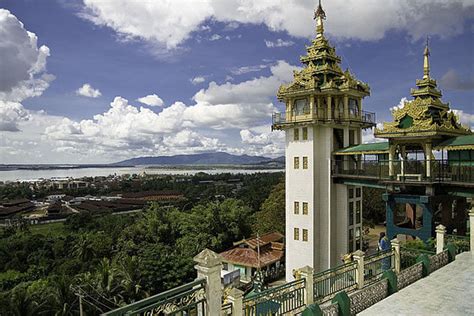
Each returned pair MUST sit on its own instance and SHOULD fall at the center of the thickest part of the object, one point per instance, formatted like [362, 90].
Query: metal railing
[278, 300]
[375, 265]
[408, 256]
[441, 170]
[188, 299]
[462, 243]
[327, 283]
[321, 114]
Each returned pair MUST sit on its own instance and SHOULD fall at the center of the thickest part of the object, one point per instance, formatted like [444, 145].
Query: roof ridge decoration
[322, 70]
[426, 115]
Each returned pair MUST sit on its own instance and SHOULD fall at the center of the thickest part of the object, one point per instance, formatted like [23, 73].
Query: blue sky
[238, 53]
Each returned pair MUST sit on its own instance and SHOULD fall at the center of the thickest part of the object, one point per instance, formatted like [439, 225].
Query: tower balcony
[284, 120]
[422, 172]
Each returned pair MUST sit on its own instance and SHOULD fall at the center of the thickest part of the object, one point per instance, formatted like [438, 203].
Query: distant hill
[218, 158]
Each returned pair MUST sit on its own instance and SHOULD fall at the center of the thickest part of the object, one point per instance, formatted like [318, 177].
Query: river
[31, 175]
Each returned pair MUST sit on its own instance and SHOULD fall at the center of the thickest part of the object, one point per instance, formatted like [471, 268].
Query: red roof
[245, 252]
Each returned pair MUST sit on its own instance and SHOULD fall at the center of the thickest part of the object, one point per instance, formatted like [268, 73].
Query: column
[329, 108]
[359, 258]
[440, 232]
[428, 159]
[208, 266]
[311, 105]
[471, 227]
[360, 107]
[396, 254]
[289, 110]
[391, 157]
[235, 297]
[318, 110]
[307, 274]
[403, 157]
[346, 107]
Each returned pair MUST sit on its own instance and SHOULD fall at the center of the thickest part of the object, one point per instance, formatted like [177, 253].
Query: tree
[272, 215]
[373, 205]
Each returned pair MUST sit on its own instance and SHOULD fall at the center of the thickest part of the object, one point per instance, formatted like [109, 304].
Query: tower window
[351, 214]
[305, 162]
[358, 212]
[296, 162]
[305, 208]
[301, 107]
[305, 133]
[296, 207]
[296, 233]
[305, 235]
[296, 134]
[351, 193]
[358, 192]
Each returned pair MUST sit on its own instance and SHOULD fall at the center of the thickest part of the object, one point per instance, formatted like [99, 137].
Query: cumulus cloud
[465, 118]
[22, 70]
[400, 105]
[171, 22]
[215, 37]
[453, 81]
[247, 69]
[278, 43]
[128, 130]
[151, 100]
[197, 80]
[87, 91]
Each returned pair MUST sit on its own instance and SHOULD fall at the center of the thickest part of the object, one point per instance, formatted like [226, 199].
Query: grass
[52, 229]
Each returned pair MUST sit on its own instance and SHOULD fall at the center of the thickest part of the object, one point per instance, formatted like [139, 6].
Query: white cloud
[22, 70]
[151, 100]
[278, 43]
[215, 37]
[247, 69]
[400, 105]
[197, 80]
[465, 118]
[87, 91]
[126, 131]
[171, 22]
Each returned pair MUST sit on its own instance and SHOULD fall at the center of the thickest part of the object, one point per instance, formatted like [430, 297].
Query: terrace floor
[447, 291]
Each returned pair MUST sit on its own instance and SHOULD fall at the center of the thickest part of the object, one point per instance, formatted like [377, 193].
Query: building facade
[323, 114]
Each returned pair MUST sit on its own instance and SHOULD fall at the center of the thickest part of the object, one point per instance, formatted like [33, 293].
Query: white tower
[323, 114]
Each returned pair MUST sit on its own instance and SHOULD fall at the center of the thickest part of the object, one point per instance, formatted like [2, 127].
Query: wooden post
[440, 232]
[471, 227]
[359, 258]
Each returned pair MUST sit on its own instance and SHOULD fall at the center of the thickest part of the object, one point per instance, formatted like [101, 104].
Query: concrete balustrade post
[359, 258]
[208, 267]
[307, 273]
[396, 254]
[236, 297]
[471, 227]
[440, 233]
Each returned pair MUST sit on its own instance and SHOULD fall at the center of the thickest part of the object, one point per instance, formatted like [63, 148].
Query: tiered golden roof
[426, 115]
[322, 71]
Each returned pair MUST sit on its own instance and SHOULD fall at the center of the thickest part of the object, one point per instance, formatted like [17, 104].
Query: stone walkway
[447, 291]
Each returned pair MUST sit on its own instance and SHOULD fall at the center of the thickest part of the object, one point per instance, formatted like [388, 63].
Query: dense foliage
[112, 260]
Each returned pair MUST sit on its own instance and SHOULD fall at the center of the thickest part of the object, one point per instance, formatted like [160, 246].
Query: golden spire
[426, 62]
[319, 16]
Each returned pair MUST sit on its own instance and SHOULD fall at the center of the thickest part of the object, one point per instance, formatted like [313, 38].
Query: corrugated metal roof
[465, 142]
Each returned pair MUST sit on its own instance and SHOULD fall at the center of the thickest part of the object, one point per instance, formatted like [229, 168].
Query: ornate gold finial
[320, 12]
[426, 62]
[319, 16]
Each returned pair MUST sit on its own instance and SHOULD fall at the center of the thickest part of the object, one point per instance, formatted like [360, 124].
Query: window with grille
[296, 162]
[296, 233]
[305, 208]
[296, 207]
[296, 134]
[305, 133]
[305, 162]
[305, 235]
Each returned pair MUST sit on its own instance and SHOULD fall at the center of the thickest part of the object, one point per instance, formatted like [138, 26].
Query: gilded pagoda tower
[323, 114]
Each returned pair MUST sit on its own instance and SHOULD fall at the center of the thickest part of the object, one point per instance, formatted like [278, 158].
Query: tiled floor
[448, 291]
